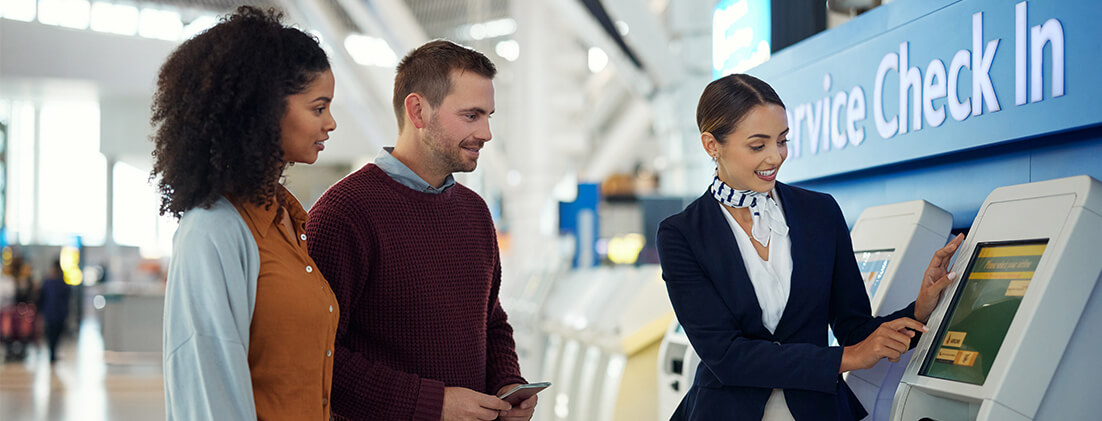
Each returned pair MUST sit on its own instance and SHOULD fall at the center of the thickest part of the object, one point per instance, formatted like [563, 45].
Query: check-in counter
[131, 316]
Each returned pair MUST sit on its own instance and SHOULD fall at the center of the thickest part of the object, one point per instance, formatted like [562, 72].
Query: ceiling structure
[615, 101]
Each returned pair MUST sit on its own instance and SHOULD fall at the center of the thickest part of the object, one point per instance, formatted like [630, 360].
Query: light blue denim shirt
[402, 174]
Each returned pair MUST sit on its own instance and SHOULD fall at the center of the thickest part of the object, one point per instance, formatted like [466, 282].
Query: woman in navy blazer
[743, 127]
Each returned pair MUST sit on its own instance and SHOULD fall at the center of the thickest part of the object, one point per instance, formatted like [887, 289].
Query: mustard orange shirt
[294, 322]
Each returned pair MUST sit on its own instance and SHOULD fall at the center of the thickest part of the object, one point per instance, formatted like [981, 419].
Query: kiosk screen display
[873, 264]
[987, 299]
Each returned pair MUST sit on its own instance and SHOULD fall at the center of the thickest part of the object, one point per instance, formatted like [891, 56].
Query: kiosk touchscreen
[994, 283]
[873, 264]
[1015, 337]
[893, 245]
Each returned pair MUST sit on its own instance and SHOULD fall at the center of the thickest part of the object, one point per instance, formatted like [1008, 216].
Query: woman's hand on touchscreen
[936, 278]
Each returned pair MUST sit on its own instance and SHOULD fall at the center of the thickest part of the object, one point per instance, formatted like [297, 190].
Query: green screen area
[973, 330]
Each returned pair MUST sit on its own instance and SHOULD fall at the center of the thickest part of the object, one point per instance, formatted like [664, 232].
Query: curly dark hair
[218, 105]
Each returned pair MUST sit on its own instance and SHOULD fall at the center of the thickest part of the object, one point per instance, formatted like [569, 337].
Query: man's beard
[446, 153]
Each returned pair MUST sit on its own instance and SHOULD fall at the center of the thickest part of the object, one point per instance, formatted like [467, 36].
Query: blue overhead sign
[915, 79]
[741, 35]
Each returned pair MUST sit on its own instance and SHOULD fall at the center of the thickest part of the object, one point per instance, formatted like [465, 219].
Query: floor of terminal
[85, 383]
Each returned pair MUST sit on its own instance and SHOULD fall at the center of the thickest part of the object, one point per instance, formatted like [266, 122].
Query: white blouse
[772, 280]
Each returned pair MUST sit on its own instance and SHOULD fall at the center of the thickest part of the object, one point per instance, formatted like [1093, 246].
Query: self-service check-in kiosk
[604, 330]
[893, 245]
[892, 239]
[1016, 336]
[677, 364]
[523, 297]
[572, 303]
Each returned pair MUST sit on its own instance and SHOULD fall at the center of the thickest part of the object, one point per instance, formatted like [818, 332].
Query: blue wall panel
[960, 182]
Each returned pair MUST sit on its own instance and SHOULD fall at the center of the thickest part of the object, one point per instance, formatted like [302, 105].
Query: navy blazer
[741, 362]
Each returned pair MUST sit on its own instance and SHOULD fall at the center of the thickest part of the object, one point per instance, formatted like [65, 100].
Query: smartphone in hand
[522, 392]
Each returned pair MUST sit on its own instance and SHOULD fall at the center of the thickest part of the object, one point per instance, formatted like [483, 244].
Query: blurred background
[594, 144]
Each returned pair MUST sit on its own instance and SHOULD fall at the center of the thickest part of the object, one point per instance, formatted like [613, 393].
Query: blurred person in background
[53, 306]
[249, 323]
[24, 286]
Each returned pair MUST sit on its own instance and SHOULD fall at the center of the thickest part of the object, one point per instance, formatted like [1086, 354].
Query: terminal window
[994, 284]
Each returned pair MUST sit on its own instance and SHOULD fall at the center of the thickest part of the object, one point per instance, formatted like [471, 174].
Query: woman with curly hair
[249, 323]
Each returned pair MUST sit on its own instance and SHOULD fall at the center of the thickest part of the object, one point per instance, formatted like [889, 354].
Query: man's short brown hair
[427, 71]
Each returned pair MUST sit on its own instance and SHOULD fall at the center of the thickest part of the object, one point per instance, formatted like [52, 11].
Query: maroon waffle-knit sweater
[417, 277]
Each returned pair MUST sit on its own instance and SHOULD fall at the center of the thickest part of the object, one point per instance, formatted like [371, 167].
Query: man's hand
[522, 412]
[890, 340]
[462, 404]
[936, 278]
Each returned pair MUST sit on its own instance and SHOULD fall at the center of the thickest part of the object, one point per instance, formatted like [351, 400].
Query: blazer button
[777, 342]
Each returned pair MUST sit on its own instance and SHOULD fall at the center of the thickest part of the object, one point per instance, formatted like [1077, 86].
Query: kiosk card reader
[893, 245]
[1016, 336]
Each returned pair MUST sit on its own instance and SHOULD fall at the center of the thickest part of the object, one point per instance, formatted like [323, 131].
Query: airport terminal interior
[924, 119]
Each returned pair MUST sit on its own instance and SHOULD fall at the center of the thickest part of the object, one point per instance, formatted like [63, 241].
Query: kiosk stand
[1016, 336]
[893, 245]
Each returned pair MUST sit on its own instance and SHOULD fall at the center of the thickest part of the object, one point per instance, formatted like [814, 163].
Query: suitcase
[18, 329]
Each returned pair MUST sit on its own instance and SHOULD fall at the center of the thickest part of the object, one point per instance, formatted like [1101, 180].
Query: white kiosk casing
[604, 326]
[1016, 336]
[570, 306]
[523, 297]
[677, 364]
[893, 245]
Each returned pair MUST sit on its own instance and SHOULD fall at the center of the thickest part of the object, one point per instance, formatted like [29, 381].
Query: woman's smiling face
[750, 156]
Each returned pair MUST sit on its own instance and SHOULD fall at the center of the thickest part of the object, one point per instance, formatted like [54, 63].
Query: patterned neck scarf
[764, 211]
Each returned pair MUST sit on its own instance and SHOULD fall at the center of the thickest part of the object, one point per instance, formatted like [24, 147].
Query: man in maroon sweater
[412, 257]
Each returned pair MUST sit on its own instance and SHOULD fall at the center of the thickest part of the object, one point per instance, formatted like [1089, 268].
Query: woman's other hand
[890, 340]
[936, 278]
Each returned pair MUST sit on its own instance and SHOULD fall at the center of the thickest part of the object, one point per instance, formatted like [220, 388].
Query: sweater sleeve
[502, 368]
[362, 389]
[208, 308]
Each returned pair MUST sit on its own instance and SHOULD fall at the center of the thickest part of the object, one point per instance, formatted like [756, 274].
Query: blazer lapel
[725, 265]
[795, 214]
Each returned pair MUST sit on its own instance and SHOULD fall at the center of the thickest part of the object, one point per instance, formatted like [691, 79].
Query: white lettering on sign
[835, 121]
